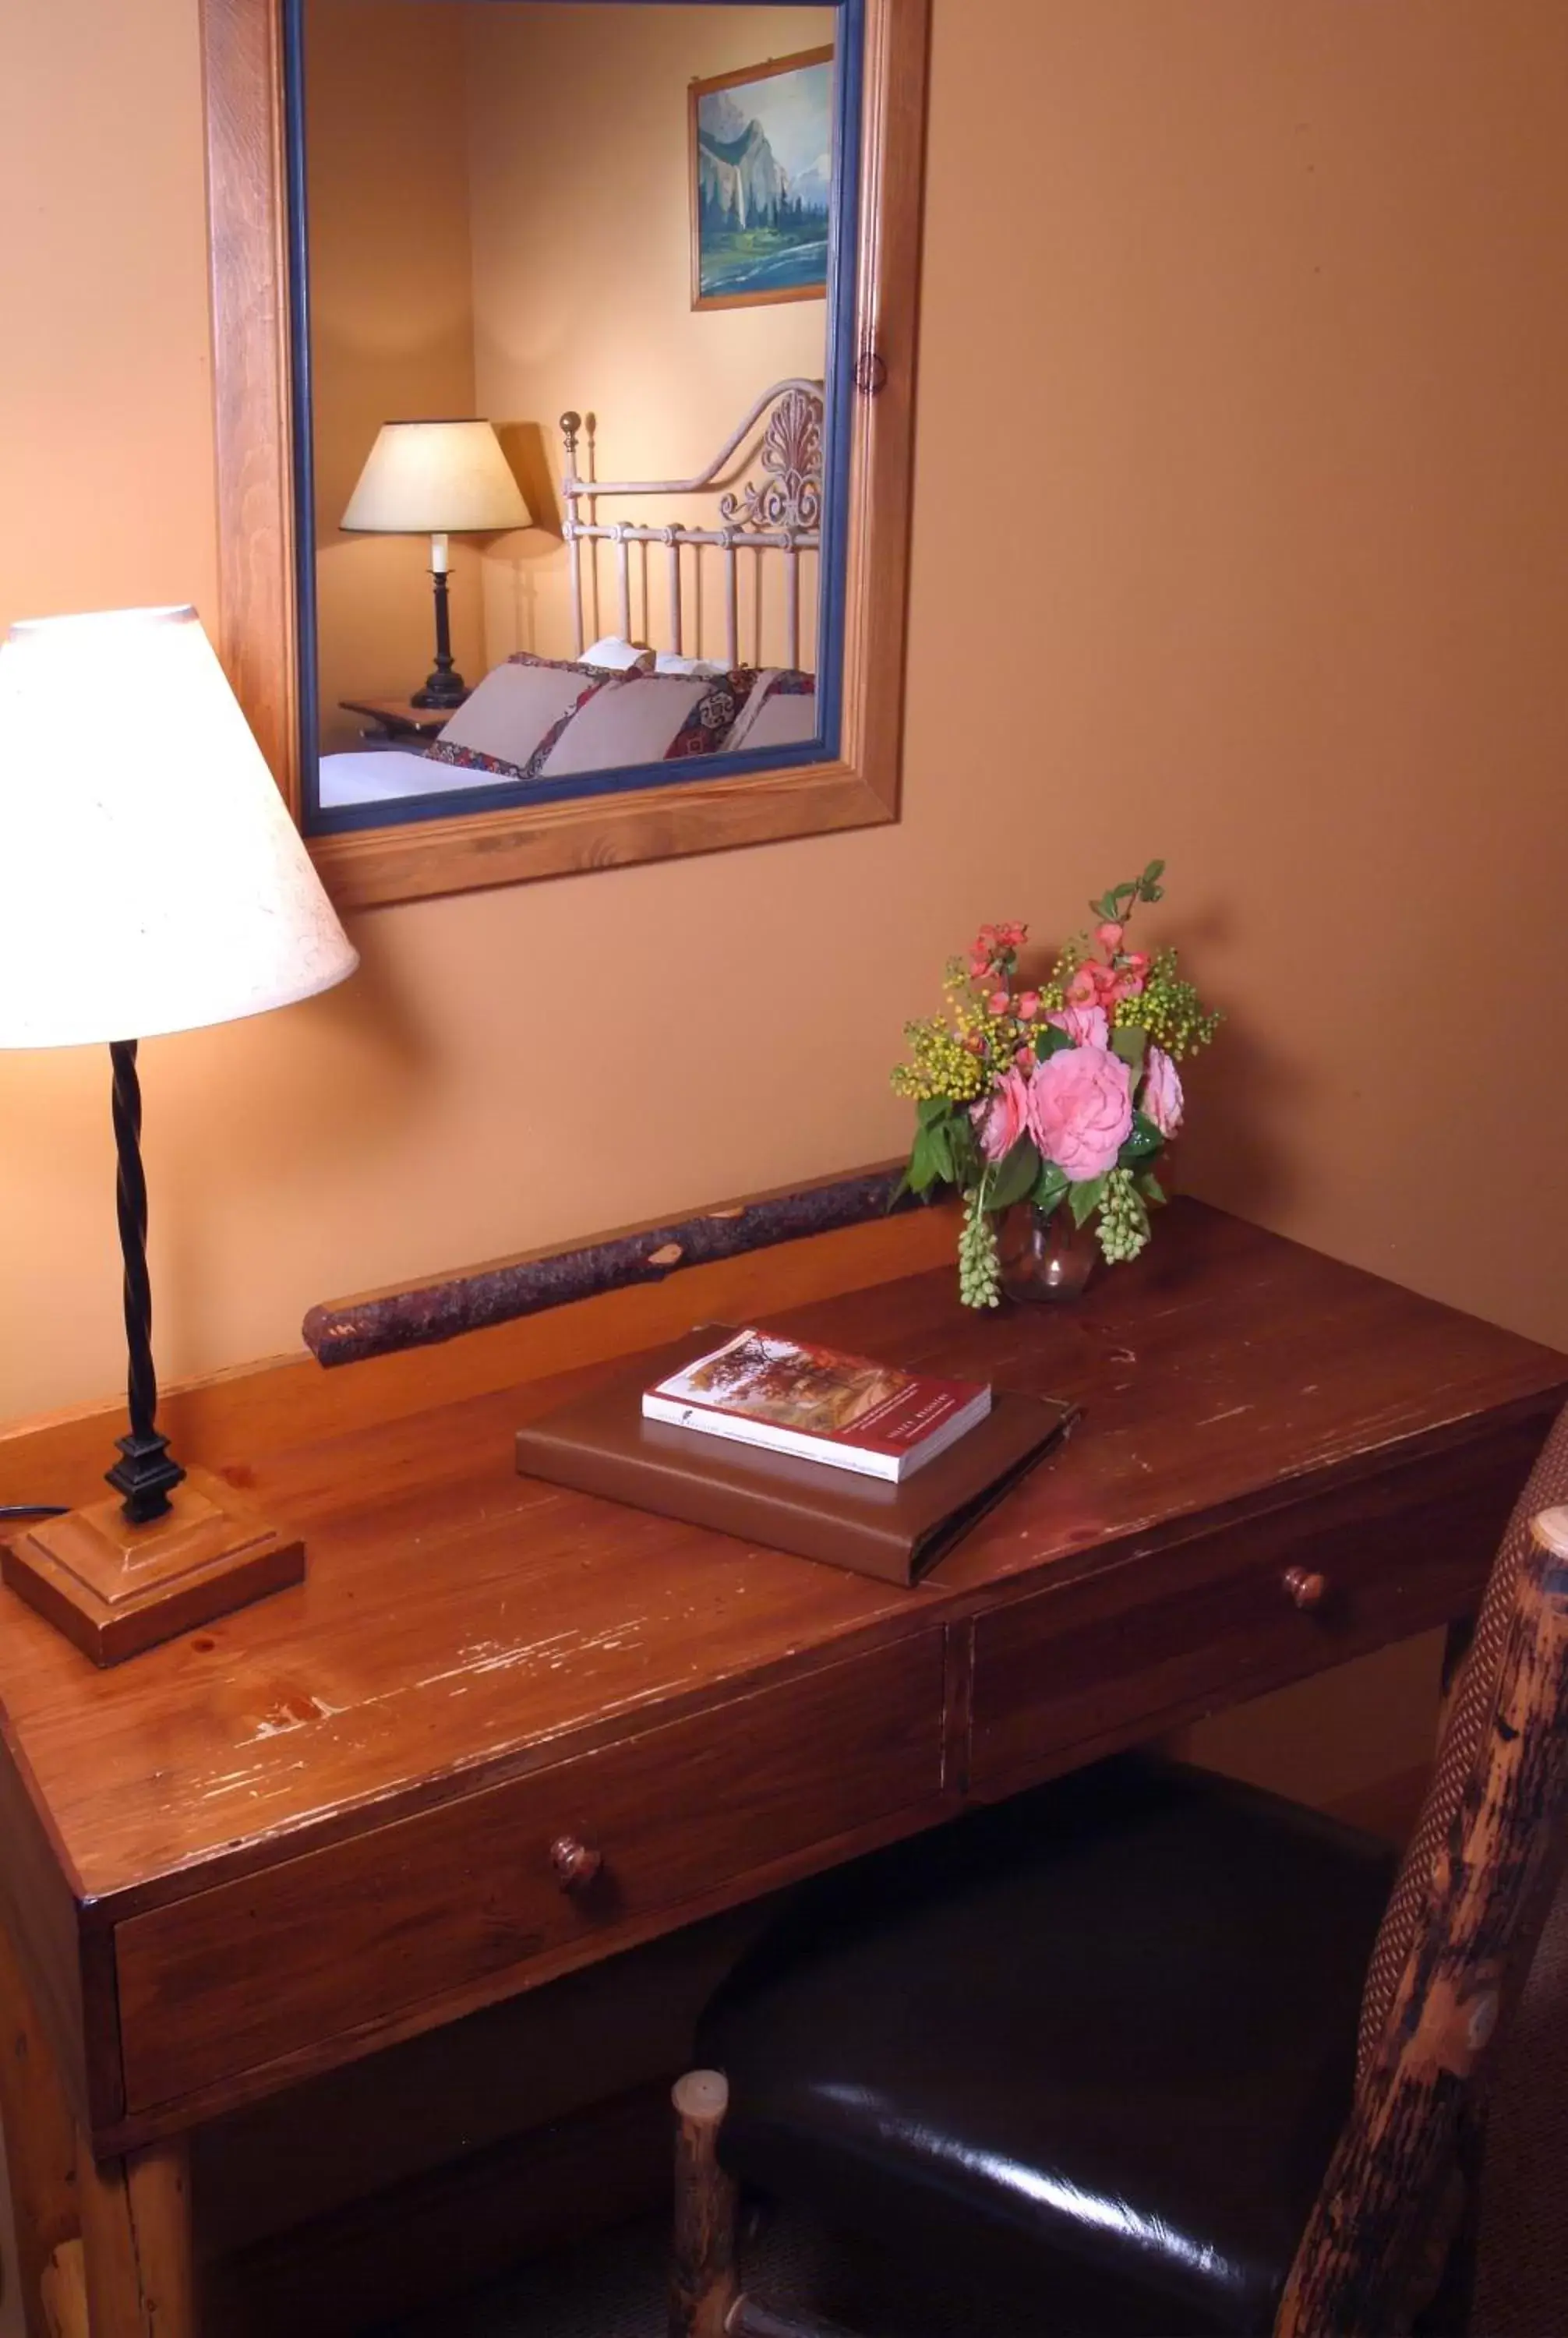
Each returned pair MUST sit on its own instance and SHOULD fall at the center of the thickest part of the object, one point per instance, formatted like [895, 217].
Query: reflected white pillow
[620, 656]
[667, 663]
[617, 656]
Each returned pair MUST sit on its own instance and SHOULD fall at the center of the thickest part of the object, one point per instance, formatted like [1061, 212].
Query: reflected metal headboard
[781, 512]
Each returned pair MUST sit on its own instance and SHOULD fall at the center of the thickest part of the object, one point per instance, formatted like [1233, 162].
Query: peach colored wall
[1260, 309]
[392, 325]
[583, 283]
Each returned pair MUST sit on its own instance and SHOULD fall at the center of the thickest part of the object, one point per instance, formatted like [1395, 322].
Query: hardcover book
[602, 1443]
[849, 1411]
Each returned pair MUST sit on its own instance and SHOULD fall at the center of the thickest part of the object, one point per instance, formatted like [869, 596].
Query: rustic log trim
[1361, 2256]
[380, 1324]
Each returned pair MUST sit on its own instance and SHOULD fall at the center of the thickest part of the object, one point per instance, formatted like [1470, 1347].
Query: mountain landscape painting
[762, 182]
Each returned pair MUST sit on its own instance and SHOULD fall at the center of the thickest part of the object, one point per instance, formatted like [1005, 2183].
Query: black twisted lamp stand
[117, 1577]
[148, 1471]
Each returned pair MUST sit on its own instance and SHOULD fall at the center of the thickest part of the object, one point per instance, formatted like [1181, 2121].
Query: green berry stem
[979, 1267]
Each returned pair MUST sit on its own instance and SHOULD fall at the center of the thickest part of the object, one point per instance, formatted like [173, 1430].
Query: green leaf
[963, 1151]
[1142, 1145]
[1131, 1042]
[1084, 1199]
[1051, 1185]
[922, 1170]
[1014, 1180]
[1049, 1040]
[937, 1138]
[1153, 874]
[931, 1109]
[1150, 1188]
[899, 1190]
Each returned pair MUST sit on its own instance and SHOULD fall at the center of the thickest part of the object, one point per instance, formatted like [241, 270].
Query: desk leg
[40, 2141]
[136, 2232]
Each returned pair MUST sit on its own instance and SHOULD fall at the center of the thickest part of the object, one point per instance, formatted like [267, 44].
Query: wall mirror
[563, 360]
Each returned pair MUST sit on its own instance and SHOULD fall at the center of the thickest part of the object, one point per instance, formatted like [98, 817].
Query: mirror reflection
[571, 269]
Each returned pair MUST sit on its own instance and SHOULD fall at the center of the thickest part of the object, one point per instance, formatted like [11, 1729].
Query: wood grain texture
[1355, 2269]
[242, 77]
[63, 2294]
[40, 2145]
[1081, 1664]
[466, 1897]
[244, 96]
[424, 1314]
[464, 1632]
[137, 2241]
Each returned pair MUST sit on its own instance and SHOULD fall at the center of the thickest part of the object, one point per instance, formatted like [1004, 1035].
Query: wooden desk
[328, 1822]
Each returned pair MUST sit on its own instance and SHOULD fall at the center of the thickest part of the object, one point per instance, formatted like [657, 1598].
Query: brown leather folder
[601, 1444]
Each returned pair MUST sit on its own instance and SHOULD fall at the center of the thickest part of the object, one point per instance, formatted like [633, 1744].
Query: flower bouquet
[1062, 1097]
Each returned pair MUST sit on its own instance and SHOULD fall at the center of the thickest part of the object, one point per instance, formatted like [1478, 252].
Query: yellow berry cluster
[941, 1065]
[1169, 1010]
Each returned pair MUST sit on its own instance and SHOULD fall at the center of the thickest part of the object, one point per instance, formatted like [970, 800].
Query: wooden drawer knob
[576, 1864]
[1306, 1590]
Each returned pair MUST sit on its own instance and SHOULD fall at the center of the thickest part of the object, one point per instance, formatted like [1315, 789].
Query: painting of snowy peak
[762, 182]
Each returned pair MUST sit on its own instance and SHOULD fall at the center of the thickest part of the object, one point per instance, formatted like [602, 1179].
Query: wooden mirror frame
[242, 51]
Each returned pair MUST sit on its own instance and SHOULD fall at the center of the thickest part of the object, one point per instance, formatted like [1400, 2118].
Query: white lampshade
[437, 478]
[150, 878]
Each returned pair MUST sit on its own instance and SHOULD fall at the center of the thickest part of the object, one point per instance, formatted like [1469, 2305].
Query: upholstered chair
[1167, 2052]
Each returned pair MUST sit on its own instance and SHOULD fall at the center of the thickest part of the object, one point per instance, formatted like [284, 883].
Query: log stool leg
[704, 2280]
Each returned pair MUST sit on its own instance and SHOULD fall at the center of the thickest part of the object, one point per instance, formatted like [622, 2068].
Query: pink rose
[1081, 1110]
[1083, 989]
[997, 1002]
[1003, 1117]
[1162, 1099]
[1028, 1007]
[1085, 1026]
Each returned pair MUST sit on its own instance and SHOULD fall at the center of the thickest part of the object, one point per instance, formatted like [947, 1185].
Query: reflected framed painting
[762, 182]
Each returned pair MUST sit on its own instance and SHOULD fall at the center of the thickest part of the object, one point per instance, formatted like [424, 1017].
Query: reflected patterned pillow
[781, 711]
[710, 722]
[511, 722]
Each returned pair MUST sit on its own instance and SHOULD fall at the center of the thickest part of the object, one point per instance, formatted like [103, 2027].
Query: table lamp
[436, 479]
[151, 880]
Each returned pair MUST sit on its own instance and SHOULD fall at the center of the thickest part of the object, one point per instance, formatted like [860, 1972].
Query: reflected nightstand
[397, 721]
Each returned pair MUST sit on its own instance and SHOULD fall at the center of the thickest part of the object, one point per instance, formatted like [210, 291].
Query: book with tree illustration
[793, 1398]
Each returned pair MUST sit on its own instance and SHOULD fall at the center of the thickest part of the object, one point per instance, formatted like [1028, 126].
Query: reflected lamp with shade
[439, 479]
[151, 881]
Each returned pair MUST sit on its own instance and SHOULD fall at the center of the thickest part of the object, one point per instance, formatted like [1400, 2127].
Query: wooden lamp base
[114, 1588]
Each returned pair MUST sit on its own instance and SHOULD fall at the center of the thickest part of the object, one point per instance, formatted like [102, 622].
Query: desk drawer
[1067, 1673]
[460, 1901]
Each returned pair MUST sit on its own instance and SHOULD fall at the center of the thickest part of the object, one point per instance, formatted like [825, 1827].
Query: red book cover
[789, 1397]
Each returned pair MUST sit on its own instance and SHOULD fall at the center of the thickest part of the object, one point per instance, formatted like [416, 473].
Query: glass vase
[1043, 1255]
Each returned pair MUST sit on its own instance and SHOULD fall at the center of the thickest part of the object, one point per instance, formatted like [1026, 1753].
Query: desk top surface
[459, 1619]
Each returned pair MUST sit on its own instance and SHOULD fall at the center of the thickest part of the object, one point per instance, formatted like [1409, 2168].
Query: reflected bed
[620, 703]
